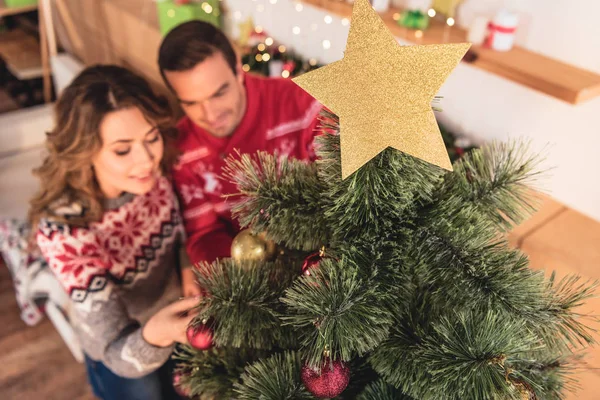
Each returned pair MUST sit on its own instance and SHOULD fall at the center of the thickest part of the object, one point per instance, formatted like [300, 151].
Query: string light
[312, 62]
[345, 21]
[245, 67]
[431, 12]
[207, 8]
[396, 16]
[258, 57]
[285, 74]
[328, 19]
[258, 29]
[326, 44]
[450, 21]
[269, 41]
[296, 30]
[266, 57]
[171, 13]
[419, 34]
[261, 47]
[237, 15]
[260, 8]
[282, 49]
[299, 7]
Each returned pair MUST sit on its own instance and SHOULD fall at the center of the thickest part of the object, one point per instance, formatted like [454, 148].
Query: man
[226, 110]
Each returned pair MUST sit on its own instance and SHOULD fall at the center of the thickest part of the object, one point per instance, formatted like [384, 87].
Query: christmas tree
[381, 271]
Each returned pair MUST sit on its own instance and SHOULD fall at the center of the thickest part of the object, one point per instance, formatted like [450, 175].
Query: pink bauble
[332, 381]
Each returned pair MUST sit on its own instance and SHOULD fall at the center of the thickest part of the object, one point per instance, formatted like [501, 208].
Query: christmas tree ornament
[247, 246]
[257, 36]
[181, 390]
[382, 92]
[330, 382]
[312, 261]
[200, 337]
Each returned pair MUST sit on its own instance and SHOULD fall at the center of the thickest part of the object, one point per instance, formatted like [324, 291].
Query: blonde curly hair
[66, 174]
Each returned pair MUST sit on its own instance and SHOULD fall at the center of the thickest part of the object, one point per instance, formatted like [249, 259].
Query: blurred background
[533, 72]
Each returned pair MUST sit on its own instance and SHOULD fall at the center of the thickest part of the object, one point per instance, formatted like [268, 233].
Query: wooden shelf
[552, 77]
[6, 11]
[22, 55]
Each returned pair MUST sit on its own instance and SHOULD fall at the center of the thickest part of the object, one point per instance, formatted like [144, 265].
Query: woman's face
[129, 160]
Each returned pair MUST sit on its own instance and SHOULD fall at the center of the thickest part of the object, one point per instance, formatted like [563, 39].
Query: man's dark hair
[189, 44]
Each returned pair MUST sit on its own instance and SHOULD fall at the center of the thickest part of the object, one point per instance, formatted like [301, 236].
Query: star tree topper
[382, 92]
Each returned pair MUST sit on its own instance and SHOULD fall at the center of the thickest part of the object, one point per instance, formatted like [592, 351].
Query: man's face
[211, 95]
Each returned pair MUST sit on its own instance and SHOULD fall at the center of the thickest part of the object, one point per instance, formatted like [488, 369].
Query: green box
[19, 3]
[170, 14]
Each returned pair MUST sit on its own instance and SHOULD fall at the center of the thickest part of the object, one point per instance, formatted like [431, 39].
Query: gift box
[19, 3]
[174, 12]
[414, 19]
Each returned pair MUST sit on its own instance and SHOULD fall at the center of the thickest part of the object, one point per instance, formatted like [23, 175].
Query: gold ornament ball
[248, 246]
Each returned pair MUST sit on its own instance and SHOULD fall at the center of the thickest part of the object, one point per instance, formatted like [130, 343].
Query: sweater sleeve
[81, 264]
[208, 236]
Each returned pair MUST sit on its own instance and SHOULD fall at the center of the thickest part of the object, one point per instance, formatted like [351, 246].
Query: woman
[109, 226]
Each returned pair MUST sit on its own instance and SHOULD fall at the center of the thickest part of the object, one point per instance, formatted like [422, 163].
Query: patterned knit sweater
[119, 272]
[280, 117]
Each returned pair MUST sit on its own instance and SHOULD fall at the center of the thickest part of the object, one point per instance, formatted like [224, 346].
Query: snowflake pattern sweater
[280, 117]
[119, 272]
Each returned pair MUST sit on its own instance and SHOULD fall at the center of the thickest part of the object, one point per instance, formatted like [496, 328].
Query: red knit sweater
[280, 116]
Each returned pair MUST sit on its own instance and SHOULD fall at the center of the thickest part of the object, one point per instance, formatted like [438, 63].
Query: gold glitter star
[382, 92]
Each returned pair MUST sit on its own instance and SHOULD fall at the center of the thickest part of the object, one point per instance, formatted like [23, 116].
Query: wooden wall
[122, 32]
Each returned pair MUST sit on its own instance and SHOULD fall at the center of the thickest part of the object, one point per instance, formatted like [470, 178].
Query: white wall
[483, 105]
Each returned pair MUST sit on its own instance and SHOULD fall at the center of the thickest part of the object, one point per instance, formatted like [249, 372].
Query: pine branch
[273, 378]
[336, 310]
[467, 267]
[280, 196]
[466, 356]
[380, 390]
[550, 376]
[463, 254]
[368, 203]
[567, 329]
[495, 181]
[243, 300]
[212, 373]
[361, 375]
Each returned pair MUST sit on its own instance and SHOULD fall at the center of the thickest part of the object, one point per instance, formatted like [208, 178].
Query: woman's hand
[169, 325]
[188, 282]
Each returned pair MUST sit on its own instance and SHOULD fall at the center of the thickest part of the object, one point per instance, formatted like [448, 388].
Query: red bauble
[183, 391]
[289, 66]
[200, 337]
[334, 378]
[181, 2]
[312, 261]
